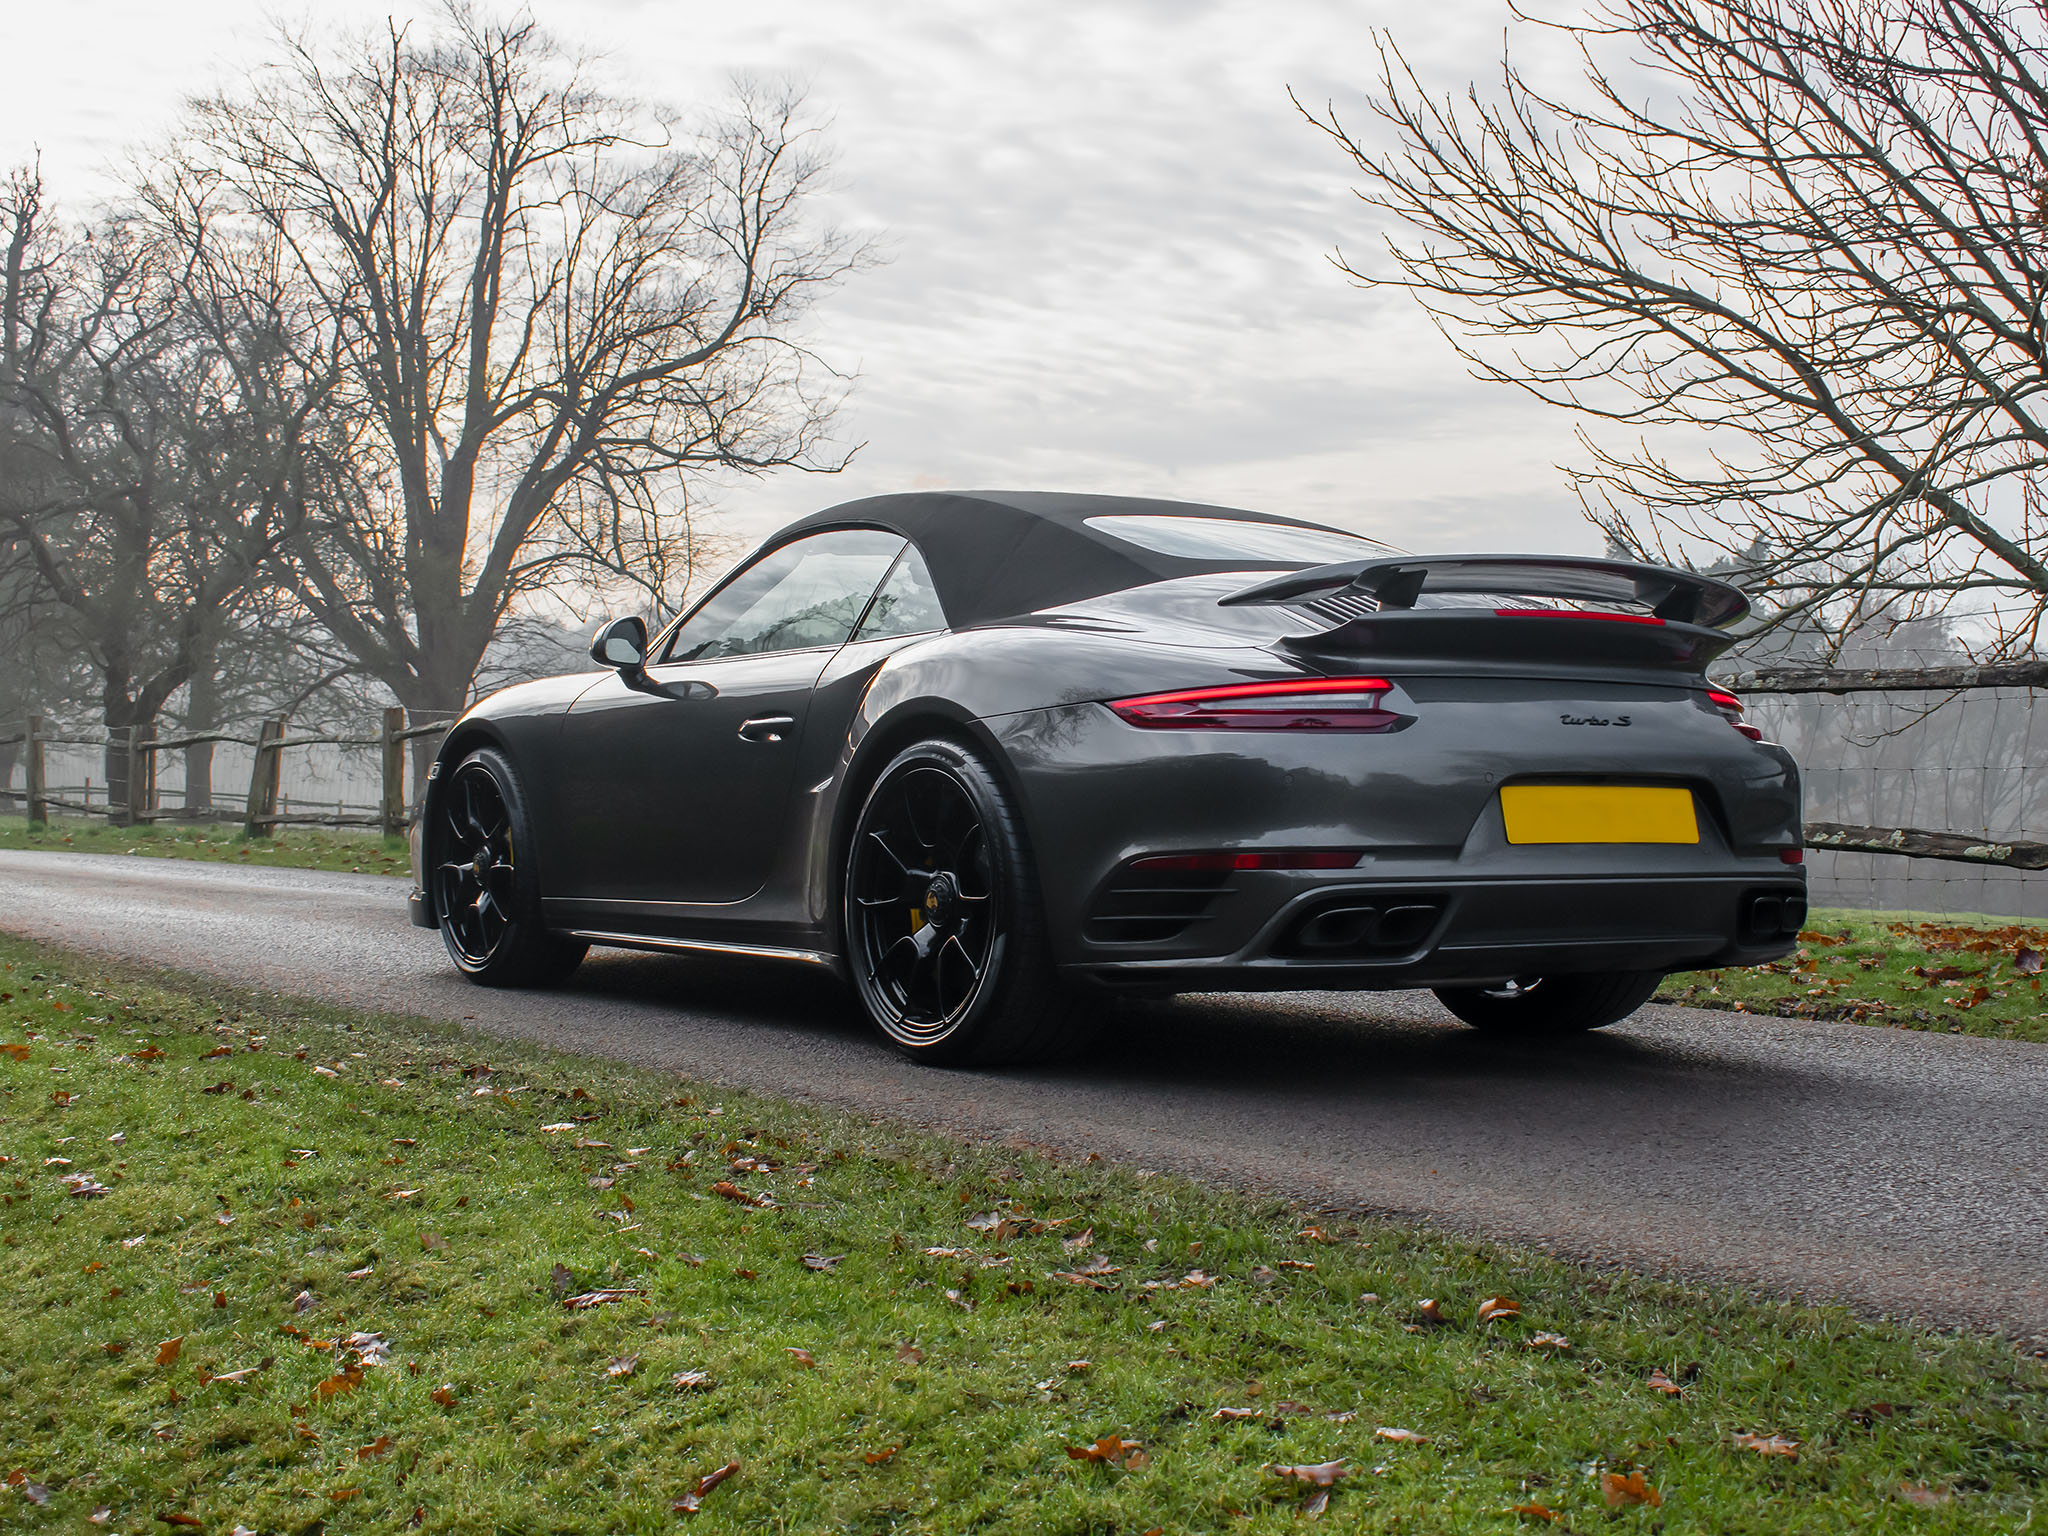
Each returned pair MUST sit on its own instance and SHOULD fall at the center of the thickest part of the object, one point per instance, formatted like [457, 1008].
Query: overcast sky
[1108, 236]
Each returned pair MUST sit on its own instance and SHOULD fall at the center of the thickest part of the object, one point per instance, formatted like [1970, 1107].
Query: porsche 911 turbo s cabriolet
[986, 755]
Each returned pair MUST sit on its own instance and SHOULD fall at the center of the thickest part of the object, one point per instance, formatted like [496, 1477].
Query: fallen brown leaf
[1767, 1445]
[1537, 1512]
[601, 1297]
[433, 1242]
[823, 1263]
[1432, 1313]
[1076, 1277]
[1657, 1381]
[179, 1517]
[1228, 1414]
[344, 1381]
[1556, 1341]
[1113, 1449]
[1623, 1490]
[1923, 1496]
[909, 1354]
[876, 1458]
[690, 1502]
[690, 1381]
[18, 1052]
[167, 1352]
[443, 1394]
[732, 1191]
[1400, 1436]
[622, 1366]
[1322, 1474]
[1496, 1307]
[381, 1446]
[801, 1356]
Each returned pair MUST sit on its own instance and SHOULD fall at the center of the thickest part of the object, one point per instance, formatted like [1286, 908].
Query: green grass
[1961, 974]
[289, 847]
[413, 1192]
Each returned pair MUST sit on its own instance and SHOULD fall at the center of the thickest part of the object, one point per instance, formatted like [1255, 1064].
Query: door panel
[678, 780]
[679, 795]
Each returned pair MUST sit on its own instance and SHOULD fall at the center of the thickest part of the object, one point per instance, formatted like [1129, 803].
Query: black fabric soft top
[994, 554]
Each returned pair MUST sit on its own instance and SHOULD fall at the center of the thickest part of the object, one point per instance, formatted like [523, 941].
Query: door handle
[766, 727]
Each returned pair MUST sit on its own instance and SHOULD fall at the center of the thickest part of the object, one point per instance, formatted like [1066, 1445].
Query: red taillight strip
[1303, 859]
[1731, 707]
[1575, 613]
[1285, 704]
[1273, 690]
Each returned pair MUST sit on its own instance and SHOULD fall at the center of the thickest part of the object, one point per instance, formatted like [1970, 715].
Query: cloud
[1109, 234]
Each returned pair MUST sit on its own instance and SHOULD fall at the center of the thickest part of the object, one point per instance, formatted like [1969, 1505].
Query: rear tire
[944, 928]
[1552, 1005]
[481, 869]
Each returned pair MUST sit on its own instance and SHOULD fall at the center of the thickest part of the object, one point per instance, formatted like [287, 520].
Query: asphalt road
[1900, 1172]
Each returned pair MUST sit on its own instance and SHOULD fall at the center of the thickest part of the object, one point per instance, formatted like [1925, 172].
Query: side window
[908, 603]
[809, 593]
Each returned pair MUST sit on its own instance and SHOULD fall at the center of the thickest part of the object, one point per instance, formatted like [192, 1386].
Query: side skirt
[817, 957]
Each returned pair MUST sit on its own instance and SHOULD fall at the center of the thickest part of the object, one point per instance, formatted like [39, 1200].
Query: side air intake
[1151, 906]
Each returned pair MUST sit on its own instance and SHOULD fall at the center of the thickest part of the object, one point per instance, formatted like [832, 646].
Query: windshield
[1225, 538]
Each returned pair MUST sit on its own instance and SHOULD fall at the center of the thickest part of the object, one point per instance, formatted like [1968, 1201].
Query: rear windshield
[1225, 538]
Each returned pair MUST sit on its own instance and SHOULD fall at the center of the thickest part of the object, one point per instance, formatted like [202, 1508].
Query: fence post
[32, 770]
[393, 811]
[141, 775]
[263, 780]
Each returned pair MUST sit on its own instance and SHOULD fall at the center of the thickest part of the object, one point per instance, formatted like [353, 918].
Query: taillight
[1295, 704]
[1298, 859]
[1576, 613]
[1731, 711]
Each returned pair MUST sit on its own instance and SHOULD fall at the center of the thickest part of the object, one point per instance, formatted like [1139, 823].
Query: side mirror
[621, 644]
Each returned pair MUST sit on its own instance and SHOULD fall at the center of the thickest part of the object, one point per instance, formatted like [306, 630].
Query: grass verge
[293, 1269]
[289, 847]
[1964, 975]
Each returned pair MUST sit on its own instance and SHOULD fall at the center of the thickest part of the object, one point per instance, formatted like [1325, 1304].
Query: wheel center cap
[940, 898]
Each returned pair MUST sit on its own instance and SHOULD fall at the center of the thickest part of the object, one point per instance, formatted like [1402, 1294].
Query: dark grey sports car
[986, 755]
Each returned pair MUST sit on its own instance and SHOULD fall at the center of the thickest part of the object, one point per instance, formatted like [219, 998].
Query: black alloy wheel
[943, 930]
[1552, 1005]
[484, 896]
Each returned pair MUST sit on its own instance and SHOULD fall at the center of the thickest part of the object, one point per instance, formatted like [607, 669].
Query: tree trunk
[202, 713]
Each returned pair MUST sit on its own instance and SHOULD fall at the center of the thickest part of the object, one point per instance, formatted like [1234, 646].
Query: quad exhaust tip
[1362, 929]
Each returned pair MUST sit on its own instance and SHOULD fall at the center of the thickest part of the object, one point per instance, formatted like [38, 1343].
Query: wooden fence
[138, 801]
[1906, 842]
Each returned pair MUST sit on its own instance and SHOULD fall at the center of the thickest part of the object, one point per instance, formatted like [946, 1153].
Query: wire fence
[1965, 763]
[262, 776]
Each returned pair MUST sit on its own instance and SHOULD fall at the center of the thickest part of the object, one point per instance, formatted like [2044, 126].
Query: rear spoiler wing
[1396, 581]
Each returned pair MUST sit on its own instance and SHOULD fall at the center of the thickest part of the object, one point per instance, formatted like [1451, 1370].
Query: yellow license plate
[1597, 813]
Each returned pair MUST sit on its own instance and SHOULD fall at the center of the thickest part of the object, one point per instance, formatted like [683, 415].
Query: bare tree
[139, 492]
[1817, 229]
[553, 311]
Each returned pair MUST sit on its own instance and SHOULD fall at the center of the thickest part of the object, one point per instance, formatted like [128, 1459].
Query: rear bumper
[1376, 935]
